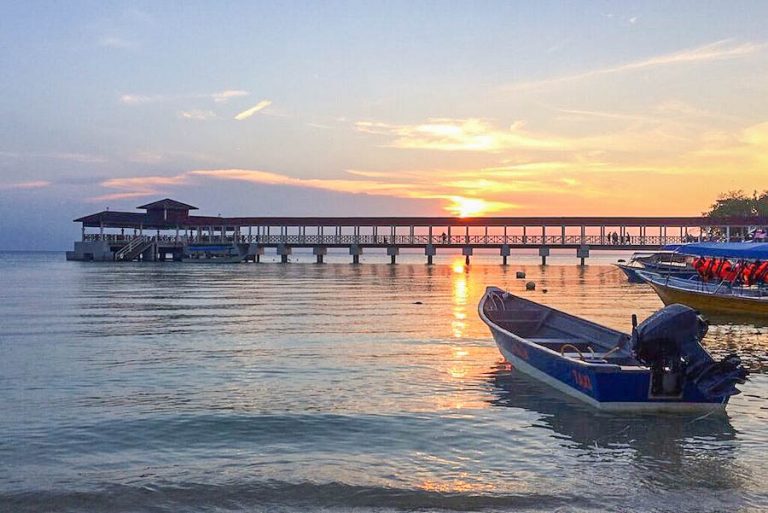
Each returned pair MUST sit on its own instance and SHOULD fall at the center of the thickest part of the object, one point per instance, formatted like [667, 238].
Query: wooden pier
[166, 231]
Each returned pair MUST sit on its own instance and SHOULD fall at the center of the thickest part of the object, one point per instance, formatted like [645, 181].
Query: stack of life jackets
[721, 269]
[755, 272]
[713, 268]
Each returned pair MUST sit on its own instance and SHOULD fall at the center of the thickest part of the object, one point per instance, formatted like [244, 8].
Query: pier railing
[533, 241]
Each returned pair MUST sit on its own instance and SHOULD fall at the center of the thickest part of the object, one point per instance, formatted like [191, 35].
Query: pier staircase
[133, 249]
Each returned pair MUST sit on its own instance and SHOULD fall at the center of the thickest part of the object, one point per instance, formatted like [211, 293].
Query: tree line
[739, 204]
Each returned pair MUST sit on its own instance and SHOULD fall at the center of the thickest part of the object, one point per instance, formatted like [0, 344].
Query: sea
[171, 387]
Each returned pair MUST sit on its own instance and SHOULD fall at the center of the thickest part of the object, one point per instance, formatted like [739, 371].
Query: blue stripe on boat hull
[604, 386]
[631, 273]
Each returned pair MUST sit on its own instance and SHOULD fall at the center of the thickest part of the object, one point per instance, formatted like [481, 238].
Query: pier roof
[136, 220]
[116, 219]
[111, 218]
[168, 204]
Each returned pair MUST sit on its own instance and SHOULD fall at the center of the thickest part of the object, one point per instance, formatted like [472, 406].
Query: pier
[167, 231]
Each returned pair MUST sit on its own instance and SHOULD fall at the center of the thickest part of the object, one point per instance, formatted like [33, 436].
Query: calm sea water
[302, 387]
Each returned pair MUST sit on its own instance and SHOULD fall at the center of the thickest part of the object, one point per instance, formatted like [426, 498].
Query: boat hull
[604, 391]
[630, 272]
[711, 303]
[605, 386]
[634, 277]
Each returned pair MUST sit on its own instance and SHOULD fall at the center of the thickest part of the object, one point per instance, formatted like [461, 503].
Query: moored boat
[717, 298]
[213, 254]
[660, 367]
[664, 262]
[731, 280]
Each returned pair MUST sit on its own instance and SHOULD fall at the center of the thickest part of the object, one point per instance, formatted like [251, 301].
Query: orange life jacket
[705, 268]
[732, 273]
[724, 270]
[748, 273]
[761, 273]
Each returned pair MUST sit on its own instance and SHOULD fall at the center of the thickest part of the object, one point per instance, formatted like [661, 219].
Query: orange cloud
[448, 134]
[138, 186]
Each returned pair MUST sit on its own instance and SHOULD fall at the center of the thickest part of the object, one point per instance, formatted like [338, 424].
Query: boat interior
[714, 287]
[570, 336]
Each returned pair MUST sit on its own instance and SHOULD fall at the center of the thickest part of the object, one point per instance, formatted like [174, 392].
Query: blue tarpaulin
[735, 250]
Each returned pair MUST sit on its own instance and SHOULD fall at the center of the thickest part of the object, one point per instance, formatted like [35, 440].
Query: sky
[377, 108]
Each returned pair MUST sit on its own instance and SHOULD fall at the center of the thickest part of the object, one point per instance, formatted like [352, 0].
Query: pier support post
[319, 252]
[430, 251]
[544, 253]
[254, 252]
[355, 250]
[505, 252]
[582, 253]
[467, 252]
[392, 252]
[283, 251]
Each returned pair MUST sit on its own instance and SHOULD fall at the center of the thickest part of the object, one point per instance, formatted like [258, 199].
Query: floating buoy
[520, 275]
[530, 285]
[621, 260]
[543, 291]
[418, 303]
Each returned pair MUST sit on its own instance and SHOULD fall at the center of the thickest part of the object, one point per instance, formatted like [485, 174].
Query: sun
[468, 207]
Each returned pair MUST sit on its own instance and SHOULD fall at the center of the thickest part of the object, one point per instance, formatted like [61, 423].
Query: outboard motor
[668, 343]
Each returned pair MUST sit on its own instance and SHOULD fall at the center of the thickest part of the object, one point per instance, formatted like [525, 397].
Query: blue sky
[423, 108]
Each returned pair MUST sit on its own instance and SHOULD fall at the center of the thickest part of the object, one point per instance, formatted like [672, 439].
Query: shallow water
[173, 387]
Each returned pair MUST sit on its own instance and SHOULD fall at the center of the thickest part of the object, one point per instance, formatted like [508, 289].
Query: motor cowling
[669, 343]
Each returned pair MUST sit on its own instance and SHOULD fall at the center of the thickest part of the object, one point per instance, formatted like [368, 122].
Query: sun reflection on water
[460, 297]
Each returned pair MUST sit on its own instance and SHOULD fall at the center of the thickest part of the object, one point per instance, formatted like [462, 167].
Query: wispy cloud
[448, 134]
[140, 99]
[225, 96]
[339, 185]
[117, 42]
[83, 158]
[33, 184]
[197, 115]
[217, 97]
[139, 186]
[606, 115]
[717, 51]
[263, 104]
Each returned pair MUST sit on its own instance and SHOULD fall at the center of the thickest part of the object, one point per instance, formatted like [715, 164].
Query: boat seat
[588, 357]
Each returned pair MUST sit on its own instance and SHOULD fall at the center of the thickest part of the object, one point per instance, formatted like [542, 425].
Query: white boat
[663, 262]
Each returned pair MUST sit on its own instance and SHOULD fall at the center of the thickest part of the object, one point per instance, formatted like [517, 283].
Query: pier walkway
[167, 231]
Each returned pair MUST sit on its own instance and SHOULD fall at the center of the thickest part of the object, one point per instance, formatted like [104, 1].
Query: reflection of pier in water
[166, 229]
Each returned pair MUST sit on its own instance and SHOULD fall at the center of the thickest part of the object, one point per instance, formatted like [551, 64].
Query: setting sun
[468, 207]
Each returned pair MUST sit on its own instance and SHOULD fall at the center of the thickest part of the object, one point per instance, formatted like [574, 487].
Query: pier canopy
[167, 210]
[161, 214]
[742, 250]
